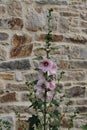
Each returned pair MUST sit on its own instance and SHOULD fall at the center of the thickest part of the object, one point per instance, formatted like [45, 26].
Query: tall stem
[48, 39]
[45, 110]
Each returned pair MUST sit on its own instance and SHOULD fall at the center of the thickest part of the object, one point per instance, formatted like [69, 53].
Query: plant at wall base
[5, 125]
[84, 127]
[45, 95]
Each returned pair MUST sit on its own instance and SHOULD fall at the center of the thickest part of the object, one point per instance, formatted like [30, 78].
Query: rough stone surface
[9, 97]
[13, 23]
[34, 20]
[14, 9]
[3, 36]
[16, 87]
[13, 65]
[23, 27]
[75, 91]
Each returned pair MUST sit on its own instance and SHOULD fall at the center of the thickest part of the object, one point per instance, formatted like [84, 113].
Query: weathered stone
[16, 87]
[3, 54]
[8, 97]
[84, 30]
[81, 102]
[63, 64]
[39, 51]
[14, 8]
[2, 86]
[83, 15]
[19, 76]
[14, 108]
[78, 64]
[69, 14]
[7, 120]
[19, 40]
[11, 23]
[55, 37]
[74, 76]
[59, 2]
[83, 24]
[22, 51]
[63, 25]
[75, 91]
[34, 20]
[13, 65]
[31, 76]
[83, 53]
[3, 36]
[82, 109]
[76, 38]
[6, 76]
[2, 10]
[15, 23]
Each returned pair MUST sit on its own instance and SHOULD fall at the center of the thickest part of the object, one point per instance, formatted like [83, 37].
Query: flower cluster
[46, 82]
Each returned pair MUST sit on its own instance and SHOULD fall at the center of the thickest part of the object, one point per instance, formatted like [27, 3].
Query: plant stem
[45, 109]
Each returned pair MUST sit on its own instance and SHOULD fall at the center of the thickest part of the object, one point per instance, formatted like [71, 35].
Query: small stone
[3, 54]
[82, 109]
[59, 2]
[15, 23]
[22, 51]
[34, 20]
[15, 65]
[75, 91]
[81, 39]
[55, 37]
[6, 76]
[16, 87]
[14, 9]
[2, 86]
[31, 76]
[2, 10]
[3, 36]
[9, 97]
[83, 53]
[63, 25]
[11, 23]
[19, 40]
[18, 76]
[78, 64]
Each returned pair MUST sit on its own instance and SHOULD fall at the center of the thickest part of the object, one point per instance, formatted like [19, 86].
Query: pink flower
[42, 85]
[53, 69]
[41, 75]
[46, 65]
[51, 85]
[49, 96]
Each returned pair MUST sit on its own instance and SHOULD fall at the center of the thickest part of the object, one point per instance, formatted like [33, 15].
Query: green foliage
[5, 125]
[33, 121]
[84, 127]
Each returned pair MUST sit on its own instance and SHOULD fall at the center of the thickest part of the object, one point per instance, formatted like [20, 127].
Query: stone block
[15, 65]
[75, 91]
[3, 36]
[8, 97]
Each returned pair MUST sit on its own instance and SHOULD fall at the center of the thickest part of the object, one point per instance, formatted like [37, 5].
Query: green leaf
[84, 127]
[34, 120]
[55, 102]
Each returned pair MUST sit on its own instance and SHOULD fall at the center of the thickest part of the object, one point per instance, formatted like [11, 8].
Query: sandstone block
[9, 97]
[6, 76]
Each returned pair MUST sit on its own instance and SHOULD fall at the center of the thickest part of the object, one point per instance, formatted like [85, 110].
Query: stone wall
[23, 26]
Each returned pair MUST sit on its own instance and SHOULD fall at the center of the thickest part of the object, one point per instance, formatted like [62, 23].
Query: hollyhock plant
[47, 65]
